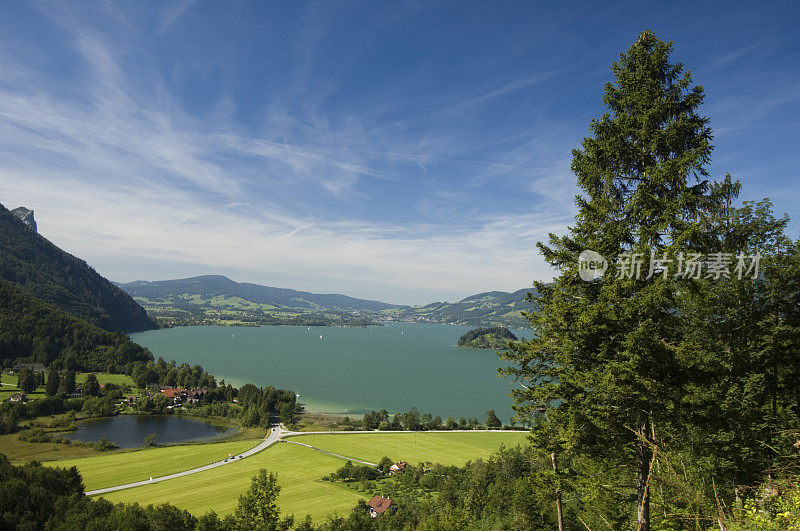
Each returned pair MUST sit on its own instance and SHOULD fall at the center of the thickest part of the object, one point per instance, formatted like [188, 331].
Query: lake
[129, 431]
[349, 370]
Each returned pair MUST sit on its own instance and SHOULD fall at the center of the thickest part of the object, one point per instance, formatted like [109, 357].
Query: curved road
[276, 434]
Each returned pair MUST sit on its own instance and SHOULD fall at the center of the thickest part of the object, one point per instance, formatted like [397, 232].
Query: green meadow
[299, 469]
[128, 467]
[414, 447]
[105, 378]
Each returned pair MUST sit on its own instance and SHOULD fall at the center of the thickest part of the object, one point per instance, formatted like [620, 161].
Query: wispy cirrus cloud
[408, 152]
[122, 176]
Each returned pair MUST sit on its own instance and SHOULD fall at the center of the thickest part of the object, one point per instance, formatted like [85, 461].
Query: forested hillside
[52, 275]
[207, 287]
[36, 331]
[489, 308]
[496, 337]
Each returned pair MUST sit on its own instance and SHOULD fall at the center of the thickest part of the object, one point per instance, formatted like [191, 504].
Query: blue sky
[403, 151]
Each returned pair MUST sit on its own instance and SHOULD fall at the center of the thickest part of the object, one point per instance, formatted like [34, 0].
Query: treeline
[189, 314]
[38, 332]
[262, 405]
[249, 405]
[512, 490]
[506, 491]
[170, 374]
[412, 420]
[487, 337]
[47, 273]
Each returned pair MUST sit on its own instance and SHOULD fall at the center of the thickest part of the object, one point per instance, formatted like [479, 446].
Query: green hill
[489, 308]
[215, 299]
[47, 273]
[38, 332]
[210, 286]
[494, 337]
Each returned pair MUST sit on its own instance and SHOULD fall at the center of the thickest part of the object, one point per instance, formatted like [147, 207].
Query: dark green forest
[68, 283]
[495, 337]
[36, 331]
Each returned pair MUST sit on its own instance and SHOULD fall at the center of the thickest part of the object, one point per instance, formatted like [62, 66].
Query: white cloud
[124, 179]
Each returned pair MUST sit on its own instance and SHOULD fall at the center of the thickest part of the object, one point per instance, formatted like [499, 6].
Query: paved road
[274, 435]
[330, 453]
[277, 433]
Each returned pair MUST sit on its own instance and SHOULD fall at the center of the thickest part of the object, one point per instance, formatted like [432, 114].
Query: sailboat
[320, 336]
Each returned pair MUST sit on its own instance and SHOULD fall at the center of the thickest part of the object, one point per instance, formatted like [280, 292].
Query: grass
[9, 387]
[127, 467]
[19, 452]
[318, 422]
[105, 378]
[299, 470]
[414, 447]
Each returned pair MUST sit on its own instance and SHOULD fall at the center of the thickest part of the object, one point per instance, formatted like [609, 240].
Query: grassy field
[415, 447]
[128, 467]
[104, 378]
[299, 470]
[9, 387]
[19, 452]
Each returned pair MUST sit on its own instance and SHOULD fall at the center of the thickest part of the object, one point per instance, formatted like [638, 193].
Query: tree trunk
[644, 455]
[558, 494]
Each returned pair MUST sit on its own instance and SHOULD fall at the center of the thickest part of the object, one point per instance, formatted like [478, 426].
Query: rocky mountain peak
[26, 215]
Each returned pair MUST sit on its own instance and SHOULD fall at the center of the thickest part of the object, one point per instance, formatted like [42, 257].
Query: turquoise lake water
[349, 370]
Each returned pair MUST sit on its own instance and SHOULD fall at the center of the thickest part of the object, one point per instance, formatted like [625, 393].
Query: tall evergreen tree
[91, 387]
[602, 375]
[257, 508]
[53, 381]
[26, 381]
[67, 382]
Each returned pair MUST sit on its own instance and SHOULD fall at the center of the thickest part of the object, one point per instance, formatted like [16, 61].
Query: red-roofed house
[171, 392]
[379, 505]
[18, 397]
[397, 467]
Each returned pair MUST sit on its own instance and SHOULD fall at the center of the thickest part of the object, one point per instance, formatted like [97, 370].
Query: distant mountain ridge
[490, 308]
[210, 286]
[216, 298]
[49, 274]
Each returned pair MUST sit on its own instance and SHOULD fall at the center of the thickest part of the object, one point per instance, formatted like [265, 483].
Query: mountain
[36, 331]
[209, 287]
[218, 300]
[26, 215]
[489, 308]
[215, 299]
[47, 273]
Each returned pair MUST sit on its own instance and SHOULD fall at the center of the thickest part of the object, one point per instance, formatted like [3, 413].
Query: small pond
[129, 431]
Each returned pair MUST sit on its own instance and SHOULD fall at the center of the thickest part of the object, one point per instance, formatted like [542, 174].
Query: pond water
[349, 370]
[129, 431]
